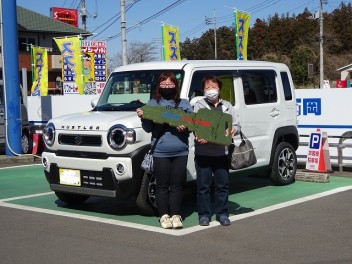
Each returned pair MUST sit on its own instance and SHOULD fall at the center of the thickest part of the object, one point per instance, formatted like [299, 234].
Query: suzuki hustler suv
[98, 153]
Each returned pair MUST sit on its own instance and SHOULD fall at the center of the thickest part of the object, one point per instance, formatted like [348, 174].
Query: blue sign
[314, 141]
[309, 106]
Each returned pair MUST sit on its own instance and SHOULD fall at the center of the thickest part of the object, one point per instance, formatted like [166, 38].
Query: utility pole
[210, 21]
[123, 32]
[321, 46]
[84, 15]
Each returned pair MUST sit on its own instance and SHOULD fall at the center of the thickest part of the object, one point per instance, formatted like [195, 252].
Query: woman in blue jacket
[171, 152]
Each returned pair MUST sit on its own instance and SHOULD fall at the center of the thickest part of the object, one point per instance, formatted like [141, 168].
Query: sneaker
[176, 222]
[165, 221]
[204, 221]
[224, 220]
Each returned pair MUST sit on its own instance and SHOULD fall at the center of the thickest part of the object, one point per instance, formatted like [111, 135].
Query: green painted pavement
[24, 180]
[247, 194]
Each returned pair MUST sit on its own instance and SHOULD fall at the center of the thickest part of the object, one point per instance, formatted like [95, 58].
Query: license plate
[70, 177]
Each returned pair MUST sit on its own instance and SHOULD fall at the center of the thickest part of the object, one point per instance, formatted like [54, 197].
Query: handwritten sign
[207, 124]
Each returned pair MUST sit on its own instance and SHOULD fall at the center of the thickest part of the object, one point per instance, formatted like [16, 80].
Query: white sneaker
[165, 221]
[176, 222]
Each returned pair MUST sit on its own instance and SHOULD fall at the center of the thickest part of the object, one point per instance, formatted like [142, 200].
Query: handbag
[241, 156]
[147, 163]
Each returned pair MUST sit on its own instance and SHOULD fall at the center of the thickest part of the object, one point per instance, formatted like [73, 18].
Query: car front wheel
[146, 197]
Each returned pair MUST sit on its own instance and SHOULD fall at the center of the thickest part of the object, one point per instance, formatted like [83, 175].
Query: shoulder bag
[241, 156]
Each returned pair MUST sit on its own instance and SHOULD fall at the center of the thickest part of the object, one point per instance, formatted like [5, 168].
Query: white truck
[99, 152]
[330, 111]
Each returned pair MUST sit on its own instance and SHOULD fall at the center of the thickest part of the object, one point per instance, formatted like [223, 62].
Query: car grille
[80, 140]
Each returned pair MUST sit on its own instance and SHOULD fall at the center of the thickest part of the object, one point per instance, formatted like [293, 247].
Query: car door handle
[275, 112]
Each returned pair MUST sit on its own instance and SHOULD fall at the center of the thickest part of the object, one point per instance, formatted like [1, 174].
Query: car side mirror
[94, 102]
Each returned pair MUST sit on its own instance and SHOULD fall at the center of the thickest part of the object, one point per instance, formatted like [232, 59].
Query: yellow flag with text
[40, 71]
[72, 71]
[171, 43]
[241, 30]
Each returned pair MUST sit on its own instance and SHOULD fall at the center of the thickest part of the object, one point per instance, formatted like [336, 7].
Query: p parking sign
[314, 140]
[318, 157]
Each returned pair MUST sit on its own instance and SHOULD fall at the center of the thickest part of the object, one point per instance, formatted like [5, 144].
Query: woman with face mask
[171, 152]
[211, 159]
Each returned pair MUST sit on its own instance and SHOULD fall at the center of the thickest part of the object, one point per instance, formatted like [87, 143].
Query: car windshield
[127, 91]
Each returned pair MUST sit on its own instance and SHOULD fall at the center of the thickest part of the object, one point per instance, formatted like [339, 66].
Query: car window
[227, 78]
[286, 85]
[129, 90]
[259, 86]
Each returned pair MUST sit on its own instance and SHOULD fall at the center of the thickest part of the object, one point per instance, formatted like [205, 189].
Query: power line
[129, 6]
[115, 17]
[166, 9]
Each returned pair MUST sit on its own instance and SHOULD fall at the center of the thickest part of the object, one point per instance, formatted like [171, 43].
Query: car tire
[284, 165]
[70, 198]
[146, 198]
[26, 143]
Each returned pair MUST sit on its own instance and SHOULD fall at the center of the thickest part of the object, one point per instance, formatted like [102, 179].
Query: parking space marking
[25, 196]
[180, 232]
[20, 166]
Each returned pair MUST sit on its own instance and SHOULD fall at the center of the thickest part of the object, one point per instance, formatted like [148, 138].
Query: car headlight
[119, 136]
[49, 134]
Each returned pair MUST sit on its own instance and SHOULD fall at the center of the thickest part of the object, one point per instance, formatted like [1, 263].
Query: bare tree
[136, 52]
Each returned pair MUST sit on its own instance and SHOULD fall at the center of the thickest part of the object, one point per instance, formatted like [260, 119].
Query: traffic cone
[324, 156]
[35, 138]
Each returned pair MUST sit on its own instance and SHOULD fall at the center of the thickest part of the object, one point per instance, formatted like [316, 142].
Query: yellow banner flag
[40, 71]
[171, 43]
[72, 73]
[241, 30]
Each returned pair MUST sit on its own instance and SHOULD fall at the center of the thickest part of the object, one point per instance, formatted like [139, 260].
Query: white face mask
[212, 94]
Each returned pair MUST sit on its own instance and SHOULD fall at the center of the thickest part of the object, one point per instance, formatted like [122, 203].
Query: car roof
[178, 65]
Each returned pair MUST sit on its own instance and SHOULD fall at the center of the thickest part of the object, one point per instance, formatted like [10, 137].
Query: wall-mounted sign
[68, 16]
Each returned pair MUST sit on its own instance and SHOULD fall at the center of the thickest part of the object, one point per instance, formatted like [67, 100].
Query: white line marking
[18, 166]
[25, 196]
[179, 232]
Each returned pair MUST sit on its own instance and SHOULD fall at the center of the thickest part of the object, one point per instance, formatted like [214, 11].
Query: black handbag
[147, 163]
[241, 156]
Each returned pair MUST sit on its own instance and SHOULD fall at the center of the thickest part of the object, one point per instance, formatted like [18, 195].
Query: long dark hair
[168, 74]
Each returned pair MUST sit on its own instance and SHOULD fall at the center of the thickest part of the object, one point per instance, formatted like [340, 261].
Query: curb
[19, 159]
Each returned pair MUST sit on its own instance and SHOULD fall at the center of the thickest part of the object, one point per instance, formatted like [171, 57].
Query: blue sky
[188, 15]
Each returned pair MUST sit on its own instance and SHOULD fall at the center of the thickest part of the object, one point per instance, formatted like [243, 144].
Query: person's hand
[181, 128]
[201, 141]
[139, 112]
[232, 132]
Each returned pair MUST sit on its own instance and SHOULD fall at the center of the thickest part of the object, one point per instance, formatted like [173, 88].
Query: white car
[98, 153]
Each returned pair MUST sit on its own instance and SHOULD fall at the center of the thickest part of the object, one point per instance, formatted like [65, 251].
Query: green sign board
[207, 124]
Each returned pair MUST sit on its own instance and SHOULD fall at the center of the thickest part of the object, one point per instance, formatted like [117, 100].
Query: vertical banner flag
[94, 66]
[170, 40]
[40, 71]
[241, 31]
[72, 75]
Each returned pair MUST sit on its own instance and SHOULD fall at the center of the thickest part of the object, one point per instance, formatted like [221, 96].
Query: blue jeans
[206, 166]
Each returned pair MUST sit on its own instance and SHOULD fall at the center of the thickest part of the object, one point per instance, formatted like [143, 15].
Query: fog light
[45, 163]
[120, 168]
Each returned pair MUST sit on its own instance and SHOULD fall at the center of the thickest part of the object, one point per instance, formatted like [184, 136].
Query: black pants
[170, 174]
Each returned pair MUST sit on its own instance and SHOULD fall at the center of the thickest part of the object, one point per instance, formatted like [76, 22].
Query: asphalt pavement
[317, 231]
